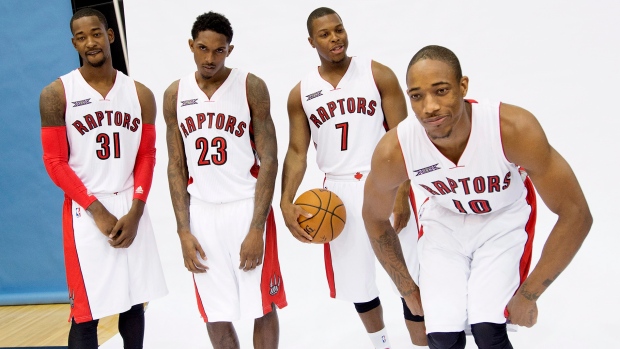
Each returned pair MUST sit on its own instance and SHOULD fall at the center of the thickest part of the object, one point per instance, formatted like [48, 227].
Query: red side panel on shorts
[329, 270]
[526, 259]
[420, 227]
[271, 285]
[201, 308]
[80, 308]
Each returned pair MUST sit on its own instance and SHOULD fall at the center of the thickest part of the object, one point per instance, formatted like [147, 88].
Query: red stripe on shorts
[329, 270]
[80, 307]
[526, 259]
[201, 308]
[271, 285]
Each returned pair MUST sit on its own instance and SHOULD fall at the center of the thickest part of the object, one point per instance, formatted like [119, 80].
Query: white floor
[558, 59]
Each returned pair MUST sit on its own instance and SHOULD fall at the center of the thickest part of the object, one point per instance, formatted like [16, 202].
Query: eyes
[83, 37]
[217, 50]
[442, 91]
[325, 34]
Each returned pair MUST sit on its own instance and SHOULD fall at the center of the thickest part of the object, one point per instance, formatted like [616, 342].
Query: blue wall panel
[35, 49]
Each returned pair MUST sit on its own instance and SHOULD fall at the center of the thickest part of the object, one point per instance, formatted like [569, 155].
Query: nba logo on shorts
[78, 214]
[383, 339]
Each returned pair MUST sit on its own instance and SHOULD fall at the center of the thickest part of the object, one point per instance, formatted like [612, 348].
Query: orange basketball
[328, 215]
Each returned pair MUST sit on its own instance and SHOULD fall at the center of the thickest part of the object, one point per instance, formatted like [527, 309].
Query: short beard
[98, 64]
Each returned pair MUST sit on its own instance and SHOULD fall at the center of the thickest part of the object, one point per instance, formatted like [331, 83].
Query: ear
[230, 49]
[110, 35]
[311, 41]
[464, 85]
[190, 42]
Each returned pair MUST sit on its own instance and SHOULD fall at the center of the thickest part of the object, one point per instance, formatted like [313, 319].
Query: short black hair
[318, 13]
[214, 22]
[438, 53]
[87, 12]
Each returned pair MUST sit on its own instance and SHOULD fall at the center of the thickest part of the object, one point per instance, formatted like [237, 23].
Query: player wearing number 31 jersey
[98, 138]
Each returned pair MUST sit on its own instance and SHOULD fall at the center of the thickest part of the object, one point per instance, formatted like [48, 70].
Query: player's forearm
[177, 183]
[564, 241]
[386, 245]
[263, 194]
[292, 175]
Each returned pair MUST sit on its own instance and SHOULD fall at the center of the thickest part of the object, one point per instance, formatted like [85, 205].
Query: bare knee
[223, 335]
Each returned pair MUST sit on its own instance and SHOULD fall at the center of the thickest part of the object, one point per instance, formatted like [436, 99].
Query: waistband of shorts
[113, 194]
[349, 177]
[196, 201]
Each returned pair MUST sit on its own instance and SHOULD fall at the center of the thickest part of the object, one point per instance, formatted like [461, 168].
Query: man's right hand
[291, 212]
[191, 250]
[103, 218]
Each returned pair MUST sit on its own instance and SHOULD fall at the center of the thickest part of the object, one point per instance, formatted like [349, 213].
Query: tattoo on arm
[51, 107]
[390, 255]
[177, 165]
[266, 148]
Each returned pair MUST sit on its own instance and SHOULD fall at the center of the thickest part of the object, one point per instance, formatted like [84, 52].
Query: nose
[431, 104]
[334, 36]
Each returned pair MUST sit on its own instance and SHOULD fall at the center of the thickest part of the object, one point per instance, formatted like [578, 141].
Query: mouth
[337, 49]
[435, 120]
[93, 52]
[208, 67]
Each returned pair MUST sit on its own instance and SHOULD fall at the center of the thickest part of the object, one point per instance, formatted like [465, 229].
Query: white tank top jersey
[219, 144]
[483, 181]
[346, 122]
[103, 132]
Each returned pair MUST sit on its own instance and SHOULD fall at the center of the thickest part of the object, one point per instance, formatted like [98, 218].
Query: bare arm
[295, 164]
[177, 182]
[387, 174]
[525, 144]
[252, 248]
[394, 107]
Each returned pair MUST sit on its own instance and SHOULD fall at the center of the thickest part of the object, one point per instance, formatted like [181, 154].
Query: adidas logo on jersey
[139, 190]
[314, 95]
[81, 103]
[428, 169]
[189, 102]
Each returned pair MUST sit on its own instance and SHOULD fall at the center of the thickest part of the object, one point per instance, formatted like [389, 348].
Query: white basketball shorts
[225, 292]
[471, 265]
[103, 280]
[350, 262]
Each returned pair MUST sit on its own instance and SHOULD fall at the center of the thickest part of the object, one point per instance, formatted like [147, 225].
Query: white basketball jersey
[483, 180]
[346, 122]
[217, 134]
[103, 132]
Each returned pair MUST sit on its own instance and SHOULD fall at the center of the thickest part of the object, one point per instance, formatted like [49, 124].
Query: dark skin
[92, 41]
[330, 39]
[437, 100]
[210, 50]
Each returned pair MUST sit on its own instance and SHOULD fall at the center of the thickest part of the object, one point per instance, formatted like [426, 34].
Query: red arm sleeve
[145, 163]
[56, 160]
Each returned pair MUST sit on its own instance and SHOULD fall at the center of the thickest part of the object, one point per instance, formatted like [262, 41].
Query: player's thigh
[444, 271]
[215, 227]
[497, 266]
[351, 256]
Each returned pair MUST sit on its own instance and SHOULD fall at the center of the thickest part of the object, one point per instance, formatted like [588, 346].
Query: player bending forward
[477, 227]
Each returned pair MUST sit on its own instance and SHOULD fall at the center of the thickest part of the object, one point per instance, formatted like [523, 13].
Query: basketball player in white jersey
[218, 129]
[477, 226]
[345, 106]
[98, 137]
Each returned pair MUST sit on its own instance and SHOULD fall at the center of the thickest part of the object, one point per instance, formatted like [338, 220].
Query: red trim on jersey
[415, 209]
[145, 163]
[526, 259]
[329, 270]
[56, 160]
[471, 101]
[272, 284]
[80, 309]
[201, 308]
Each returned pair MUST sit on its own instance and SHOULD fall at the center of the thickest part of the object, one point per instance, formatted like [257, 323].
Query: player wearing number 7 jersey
[345, 106]
[98, 138]
[219, 127]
